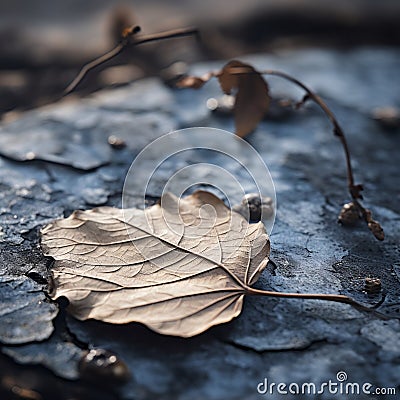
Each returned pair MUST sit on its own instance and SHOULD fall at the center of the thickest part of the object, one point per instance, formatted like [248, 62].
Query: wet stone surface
[24, 301]
[58, 159]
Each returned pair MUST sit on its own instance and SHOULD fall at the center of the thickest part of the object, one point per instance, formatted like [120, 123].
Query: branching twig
[337, 130]
[129, 38]
[354, 189]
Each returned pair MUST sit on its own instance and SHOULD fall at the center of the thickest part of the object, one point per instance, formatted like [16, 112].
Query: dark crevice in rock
[34, 275]
[61, 326]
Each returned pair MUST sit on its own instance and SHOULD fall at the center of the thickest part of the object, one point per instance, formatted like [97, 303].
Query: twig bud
[349, 214]
[376, 229]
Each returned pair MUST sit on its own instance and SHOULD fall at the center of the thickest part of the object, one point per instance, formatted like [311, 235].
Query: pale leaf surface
[178, 267]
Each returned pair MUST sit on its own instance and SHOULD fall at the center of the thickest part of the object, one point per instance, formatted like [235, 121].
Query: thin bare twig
[354, 189]
[337, 129]
[130, 39]
[92, 64]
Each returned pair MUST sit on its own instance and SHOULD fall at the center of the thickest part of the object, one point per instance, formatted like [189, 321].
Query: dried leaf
[178, 267]
[252, 98]
[229, 81]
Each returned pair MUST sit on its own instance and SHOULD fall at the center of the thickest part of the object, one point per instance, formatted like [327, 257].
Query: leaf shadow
[142, 339]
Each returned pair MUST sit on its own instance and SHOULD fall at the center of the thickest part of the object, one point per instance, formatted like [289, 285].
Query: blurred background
[44, 43]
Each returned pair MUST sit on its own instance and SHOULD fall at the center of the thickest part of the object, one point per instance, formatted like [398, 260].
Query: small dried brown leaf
[228, 80]
[252, 97]
[178, 267]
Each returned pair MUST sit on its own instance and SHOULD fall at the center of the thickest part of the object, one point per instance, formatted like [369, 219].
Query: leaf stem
[338, 298]
[129, 40]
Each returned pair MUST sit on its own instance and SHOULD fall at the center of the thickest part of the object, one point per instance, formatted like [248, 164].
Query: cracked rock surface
[58, 159]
